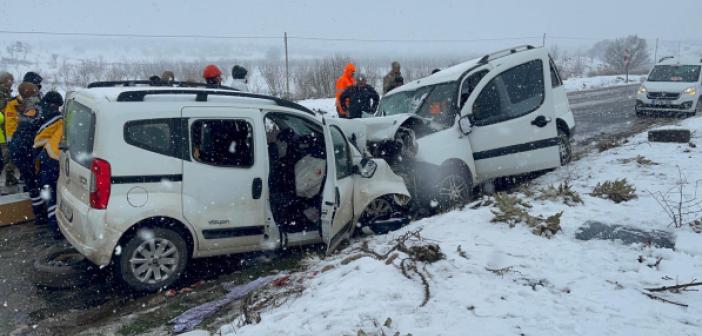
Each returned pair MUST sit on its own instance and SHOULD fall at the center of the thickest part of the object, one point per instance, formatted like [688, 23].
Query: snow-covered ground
[597, 82]
[509, 281]
[571, 85]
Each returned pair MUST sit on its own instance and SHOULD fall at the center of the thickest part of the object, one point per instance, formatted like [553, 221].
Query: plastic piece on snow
[194, 316]
[282, 281]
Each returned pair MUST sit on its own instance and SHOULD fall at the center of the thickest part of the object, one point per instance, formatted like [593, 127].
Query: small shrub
[640, 160]
[617, 191]
[607, 144]
[512, 210]
[562, 192]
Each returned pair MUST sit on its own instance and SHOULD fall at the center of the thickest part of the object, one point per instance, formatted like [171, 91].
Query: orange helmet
[211, 71]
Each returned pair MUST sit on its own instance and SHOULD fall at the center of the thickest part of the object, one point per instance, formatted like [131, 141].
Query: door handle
[257, 188]
[338, 197]
[540, 121]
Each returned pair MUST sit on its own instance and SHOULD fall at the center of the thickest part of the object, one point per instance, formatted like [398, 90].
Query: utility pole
[543, 41]
[287, 67]
[655, 53]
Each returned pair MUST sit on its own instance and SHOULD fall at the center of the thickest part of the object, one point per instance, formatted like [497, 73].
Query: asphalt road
[607, 111]
[597, 113]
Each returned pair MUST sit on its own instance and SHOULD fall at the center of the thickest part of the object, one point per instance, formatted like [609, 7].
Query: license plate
[66, 211]
[659, 102]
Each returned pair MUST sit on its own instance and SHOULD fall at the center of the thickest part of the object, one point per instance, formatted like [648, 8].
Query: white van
[673, 87]
[504, 114]
[153, 176]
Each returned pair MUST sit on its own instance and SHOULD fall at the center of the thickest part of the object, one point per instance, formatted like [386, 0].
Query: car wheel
[453, 190]
[152, 259]
[60, 266]
[564, 149]
[381, 208]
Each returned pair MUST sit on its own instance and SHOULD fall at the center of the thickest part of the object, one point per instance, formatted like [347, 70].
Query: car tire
[60, 266]
[146, 258]
[565, 151]
[380, 208]
[454, 189]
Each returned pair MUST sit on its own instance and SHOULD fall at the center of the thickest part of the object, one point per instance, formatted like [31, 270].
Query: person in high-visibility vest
[344, 81]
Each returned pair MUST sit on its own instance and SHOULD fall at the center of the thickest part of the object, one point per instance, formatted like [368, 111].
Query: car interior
[297, 157]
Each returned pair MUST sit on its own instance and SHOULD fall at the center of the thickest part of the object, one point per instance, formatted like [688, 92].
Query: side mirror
[366, 168]
[465, 125]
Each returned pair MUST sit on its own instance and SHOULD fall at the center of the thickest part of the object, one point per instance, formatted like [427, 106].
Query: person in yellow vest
[6, 81]
[28, 97]
[47, 140]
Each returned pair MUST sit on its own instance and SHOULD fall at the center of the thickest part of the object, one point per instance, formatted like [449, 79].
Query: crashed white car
[500, 115]
[673, 87]
[153, 176]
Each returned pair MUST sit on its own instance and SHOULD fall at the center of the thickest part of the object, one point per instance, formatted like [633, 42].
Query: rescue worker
[167, 77]
[34, 78]
[344, 81]
[46, 141]
[360, 98]
[239, 80]
[393, 79]
[212, 76]
[21, 144]
[6, 81]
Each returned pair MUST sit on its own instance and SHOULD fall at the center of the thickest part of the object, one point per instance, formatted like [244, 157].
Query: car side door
[512, 113]
[224, 193]
[337, 204]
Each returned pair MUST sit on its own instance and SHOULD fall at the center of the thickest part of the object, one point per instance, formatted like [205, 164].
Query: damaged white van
[504, 114]
[153, 176]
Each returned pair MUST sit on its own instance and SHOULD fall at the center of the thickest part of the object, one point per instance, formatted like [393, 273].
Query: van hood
[667, 86]
[384, 128]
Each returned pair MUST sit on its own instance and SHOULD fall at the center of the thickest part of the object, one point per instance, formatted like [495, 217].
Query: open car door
[337, 201]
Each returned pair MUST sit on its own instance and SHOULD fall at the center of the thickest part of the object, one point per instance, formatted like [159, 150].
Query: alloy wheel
[154, 261]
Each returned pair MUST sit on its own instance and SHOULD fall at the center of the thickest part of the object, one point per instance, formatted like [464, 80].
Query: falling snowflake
[118, 250]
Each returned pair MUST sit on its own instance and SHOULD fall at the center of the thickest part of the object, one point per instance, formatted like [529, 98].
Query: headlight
[691, 91]
[642, 89]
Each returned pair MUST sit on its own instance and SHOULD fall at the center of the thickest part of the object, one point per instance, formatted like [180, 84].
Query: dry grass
[512, 210]
[563, 192]
[617, 191]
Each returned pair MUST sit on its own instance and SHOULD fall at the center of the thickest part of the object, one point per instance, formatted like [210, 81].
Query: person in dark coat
[46, 141]
[360, 98]
[393, 79]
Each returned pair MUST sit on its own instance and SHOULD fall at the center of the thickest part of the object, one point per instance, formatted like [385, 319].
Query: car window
[555, 75]
[156, 135]
[342, 153]
[225, 142]
[513, 93]
[402, 102]
[440, 105]
[469, 85]
[80, 128]
[675, 73]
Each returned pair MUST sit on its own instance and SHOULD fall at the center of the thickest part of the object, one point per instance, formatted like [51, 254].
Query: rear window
[80, 128]
[224, 143]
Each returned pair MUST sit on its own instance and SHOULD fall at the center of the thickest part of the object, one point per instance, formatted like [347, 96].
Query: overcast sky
[368, 19]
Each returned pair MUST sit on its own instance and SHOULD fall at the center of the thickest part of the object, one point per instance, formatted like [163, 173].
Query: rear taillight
[100, 184]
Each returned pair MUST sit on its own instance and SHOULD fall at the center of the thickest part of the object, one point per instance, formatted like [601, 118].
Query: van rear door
[74, 181]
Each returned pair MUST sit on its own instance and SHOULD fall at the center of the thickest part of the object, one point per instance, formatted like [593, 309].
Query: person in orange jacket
[343, 82]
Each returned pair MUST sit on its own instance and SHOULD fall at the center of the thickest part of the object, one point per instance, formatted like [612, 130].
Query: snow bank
[558, 286]
[597, 82]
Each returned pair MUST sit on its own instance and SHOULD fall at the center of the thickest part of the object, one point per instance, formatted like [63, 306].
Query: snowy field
[497, 280]
[571, 85]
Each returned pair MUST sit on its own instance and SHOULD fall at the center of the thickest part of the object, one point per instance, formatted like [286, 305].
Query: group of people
[32, 128]
[212, 76]
[354, 96]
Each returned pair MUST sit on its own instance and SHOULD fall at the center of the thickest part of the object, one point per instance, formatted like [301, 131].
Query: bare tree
[616, 50]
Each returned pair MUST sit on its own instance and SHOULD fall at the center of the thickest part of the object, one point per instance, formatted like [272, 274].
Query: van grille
[663, 95]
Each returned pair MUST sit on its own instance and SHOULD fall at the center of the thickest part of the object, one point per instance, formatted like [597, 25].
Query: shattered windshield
[675, 73]
[402, 102]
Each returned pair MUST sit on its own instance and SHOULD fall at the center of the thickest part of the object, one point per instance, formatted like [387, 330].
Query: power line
[230, 37]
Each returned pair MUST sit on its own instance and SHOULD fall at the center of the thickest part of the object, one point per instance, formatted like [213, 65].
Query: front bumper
[677, 106]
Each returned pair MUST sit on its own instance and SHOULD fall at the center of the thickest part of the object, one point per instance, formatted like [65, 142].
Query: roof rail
[665, 58]
[129, 83]
[202, 95]
[505, 52]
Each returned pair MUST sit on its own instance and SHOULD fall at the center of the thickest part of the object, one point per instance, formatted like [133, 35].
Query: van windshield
[675, 73]
[80, 125]
[402, 102]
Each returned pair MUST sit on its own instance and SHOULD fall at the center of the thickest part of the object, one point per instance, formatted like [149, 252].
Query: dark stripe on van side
[525, 147]
[233, 232]
[146, 179]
